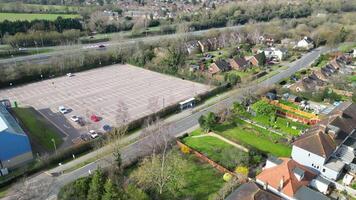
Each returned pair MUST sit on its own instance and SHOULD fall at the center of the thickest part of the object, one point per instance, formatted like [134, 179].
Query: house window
[312, 164]
[317, 167]
[309, 154]
[323, 170]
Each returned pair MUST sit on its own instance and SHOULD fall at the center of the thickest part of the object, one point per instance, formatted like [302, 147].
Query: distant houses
[275, 54]
[306, 43]
[257, 60]
[219, 66]
[239, 63]
[15, 148]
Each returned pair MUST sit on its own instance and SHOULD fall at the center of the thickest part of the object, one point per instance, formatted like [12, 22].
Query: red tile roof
[273, 176]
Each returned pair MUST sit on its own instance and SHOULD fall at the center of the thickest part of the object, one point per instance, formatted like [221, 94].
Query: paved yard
[100, 92]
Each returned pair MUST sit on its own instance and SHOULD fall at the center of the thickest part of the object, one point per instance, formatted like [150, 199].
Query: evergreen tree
[96, 188]
[110, 191]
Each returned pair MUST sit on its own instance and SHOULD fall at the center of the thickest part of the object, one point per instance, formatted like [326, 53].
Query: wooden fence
[297, 118]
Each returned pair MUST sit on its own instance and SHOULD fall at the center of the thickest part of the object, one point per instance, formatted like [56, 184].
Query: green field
[250, 135]
[32, 16]
[40, 131]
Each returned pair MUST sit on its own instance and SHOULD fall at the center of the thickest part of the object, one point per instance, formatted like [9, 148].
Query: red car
[94, 118]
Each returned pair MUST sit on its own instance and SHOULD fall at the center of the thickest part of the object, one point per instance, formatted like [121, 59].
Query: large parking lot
[101, 92]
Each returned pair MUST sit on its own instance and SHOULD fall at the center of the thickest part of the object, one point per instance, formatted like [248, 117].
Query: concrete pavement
[177, 126]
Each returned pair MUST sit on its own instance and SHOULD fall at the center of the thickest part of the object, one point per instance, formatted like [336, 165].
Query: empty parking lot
[103, 91]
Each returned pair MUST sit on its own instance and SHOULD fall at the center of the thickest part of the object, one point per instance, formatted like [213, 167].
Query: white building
[306, 43]
[329, 146]
[275, 53]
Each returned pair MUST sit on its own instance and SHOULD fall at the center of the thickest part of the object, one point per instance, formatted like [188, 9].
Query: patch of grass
[38, 127]
[212, 148]
[280, 124]
[4, 191]
[202, 180]
[287, 103]
[32, 16]
[250, 135]
[352, 78]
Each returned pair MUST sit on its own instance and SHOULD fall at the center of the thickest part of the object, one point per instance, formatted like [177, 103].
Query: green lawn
[250, 135]
[213, 148]
[352, 78]
[32, 16]
[281, 124]
[202, 180]
[40, 131]
[287, 103]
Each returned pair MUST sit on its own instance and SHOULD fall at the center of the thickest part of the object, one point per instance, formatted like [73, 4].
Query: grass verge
[38, 128]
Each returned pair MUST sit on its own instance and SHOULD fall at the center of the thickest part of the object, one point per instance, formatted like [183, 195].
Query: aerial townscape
[178, 100]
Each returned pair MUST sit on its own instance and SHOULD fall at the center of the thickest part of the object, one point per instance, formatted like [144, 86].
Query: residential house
[219, 66]
[320, 75]
[251, 191]
[258, 59]
[306, 83]
[329, 146]
[15, 148]
[335, 64]
[273, 53]
[238, 63]
[306, 43]
[288, 179]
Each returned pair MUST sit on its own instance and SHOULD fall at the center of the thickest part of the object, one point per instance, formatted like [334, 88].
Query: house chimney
[281, 183]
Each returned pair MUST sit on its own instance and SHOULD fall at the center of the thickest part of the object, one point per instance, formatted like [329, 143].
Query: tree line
[59, 25]
[41, 38]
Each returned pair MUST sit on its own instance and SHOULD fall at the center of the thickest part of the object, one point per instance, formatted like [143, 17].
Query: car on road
[101, 46]
[93, 134]
[63, 109]
[94, 118]
[70, 74]
[75, 118]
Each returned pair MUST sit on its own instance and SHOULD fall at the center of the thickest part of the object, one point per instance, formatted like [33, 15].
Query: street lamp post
[54, 144]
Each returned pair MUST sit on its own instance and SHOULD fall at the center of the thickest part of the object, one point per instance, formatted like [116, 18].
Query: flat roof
[187, 101]
[8, 122]
[335, 164]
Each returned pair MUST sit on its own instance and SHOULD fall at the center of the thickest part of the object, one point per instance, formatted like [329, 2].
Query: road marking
[54, 124]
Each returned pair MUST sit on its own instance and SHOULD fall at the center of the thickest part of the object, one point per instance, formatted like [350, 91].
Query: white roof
[3, 125]
[187, 101]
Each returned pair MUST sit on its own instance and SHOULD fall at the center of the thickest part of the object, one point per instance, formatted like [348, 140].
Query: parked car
[102, 46]
[94, 118]
[75, 118]
[63, 110]
[93, 134]
[70, 74]
[107, 128]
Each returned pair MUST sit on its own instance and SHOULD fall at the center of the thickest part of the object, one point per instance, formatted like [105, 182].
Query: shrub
[242, 170]
[185, 149]
[227, 177]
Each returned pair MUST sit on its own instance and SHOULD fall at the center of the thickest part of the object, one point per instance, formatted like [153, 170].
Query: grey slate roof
[305, 193]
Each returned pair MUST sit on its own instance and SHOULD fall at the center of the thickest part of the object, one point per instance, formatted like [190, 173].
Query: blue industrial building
[15, 147]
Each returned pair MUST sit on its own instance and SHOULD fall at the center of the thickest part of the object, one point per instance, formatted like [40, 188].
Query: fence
[296, 117]
[294, 110]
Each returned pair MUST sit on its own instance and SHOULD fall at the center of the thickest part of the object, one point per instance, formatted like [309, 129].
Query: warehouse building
[15, 147]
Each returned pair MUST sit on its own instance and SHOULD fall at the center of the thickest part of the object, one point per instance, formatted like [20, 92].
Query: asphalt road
[80, 48]
[143, 146]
